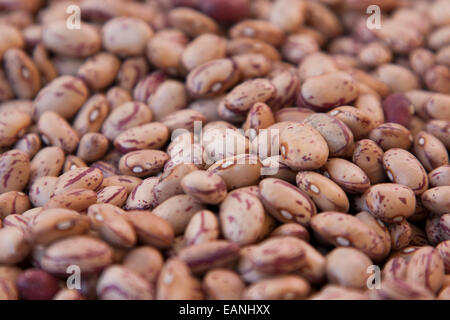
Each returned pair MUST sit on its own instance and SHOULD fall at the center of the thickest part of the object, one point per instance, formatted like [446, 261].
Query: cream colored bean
[13, 246]
[131, 71]
[303, 147]
[79, 43]
[29, 143]
[86, 178]
[403, 168]
[291, 230]
[13, 126]
[57, 223]
[41, 190]
[207, 187]
[223, 284]
[252, 65]
[13, 202]
[128, 115]
[15, 170]
[12, 38]
[368, 156]
[126, 36]
[149, 136]
[47, 162]
[238, 171]
[401, 234]
[327, 91]
[203, 227]
[204, 48]
[76, 199]
[178, 210]
[146, 261]
[112, 225]
[151, 229]
[370, 104]
[430, 151]
[440, 176]
[426, 268]
[141, 196]
[115, 195]
[212, 78]
[73, 162]
[185, 119]
[391, 135]
[390, 202]
[358, 121]
[245, 95]
[248, 45]
[437, 199]
[281, 288]
[286, 202]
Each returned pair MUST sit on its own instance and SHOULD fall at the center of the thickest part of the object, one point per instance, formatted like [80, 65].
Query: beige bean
[131, 71]
[92, 147]
[258, 29]
[47, 162]
[370, 104]
[41, 190]
[206, 187]
[112, 225]
[78, 43]
[289, 15]
[358, 121]
[128, 115]
[437, 199]
[115, 195]
[13, 202]
[22, 73]
[347, 175]
[92, 114]
[440, 129]
[116, 96]
[15, 170]
[56, 223]
[344, 230]
[444, 252]
[212, 78]
[148, 136]
[176, 282]
[249, 45]
[327, 91]
[204, 48]
[430, 151]
[178, 210]
[12, 38]
[241, 217]
[141, 195]
[303, 147]
[252, 65]
[126, 36]
[403, 168]
[185, 119]
[209, 255]
[192, 22]
[128, 182]
[291, 230]
[73, 162]
[401, 290]
[75, 199]
[203, 227]
[86, 178]
[238, 171]
[142, 163]
[287, 85]
[29, 143]
[13, 246]
[281, 288]
[151, 229]
[13, 126]
[120, 283]
[298, 46]
[44, 64]
[99, 71]
[391, 135]
[57, 132]
[334, 292]
[436, 228]
[368, 156]
[390, 202]
[440, 176]
[223, 284]
[401, 234]
[245, 95]
[146, 261]
[426, 268]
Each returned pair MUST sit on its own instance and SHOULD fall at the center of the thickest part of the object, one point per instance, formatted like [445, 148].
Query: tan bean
[430, 151]
[203, 227]
[252, 65]
[126, 36]
[41, 190]
[192, 22]
[115, 195]
[151, 229]
[15, 170]
[185, 119]
[56, 223]
[22, 73]
[29, 143]
[111, 223]
[178, 210]
[56, 131]
[303, 147]
[128, 115]
[403, 168]
[281, 288]
[206, 187]
[347, 175]
[436, 228]
[298, 46]
[401, 290]
[444, 252]
[390, 202]
[440, 129]
[287, 85]
[223, 284]
[289, 15]
[91, 116]
[13, 126]
[440, 176]
[73, 162]
[86, 178]
[13, 202]
[437, 199]
[327, 91]
[426, 268]
[76, 199]
[401, 234]
[391, 135]
[143, 163]
[258, 29]
[146, 261]
[210, 46]
[212, 78]
[176, 282]
[291, 230]
[47, 162]
[141, 196]
[81, 42]
[249, 45]
[116, 96]
[342, 229]
[120, 283]
[12, 38]
[333, 292]
[244, 96]
[99, 71]
[13, 245]
[238, 171]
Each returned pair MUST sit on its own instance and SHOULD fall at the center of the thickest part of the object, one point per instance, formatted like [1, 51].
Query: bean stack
[321, 170]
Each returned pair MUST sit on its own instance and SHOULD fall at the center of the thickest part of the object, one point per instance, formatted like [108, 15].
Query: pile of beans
[102, 176]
